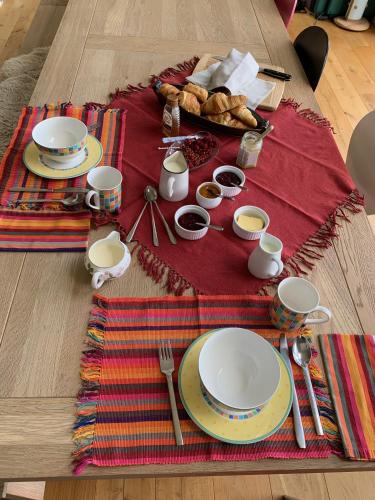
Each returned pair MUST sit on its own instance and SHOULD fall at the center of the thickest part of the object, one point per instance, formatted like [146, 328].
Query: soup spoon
[210, 226]
[69, 201]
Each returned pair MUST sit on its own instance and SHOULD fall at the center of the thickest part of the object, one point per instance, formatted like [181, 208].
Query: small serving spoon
[150, 197]
[153, 195]
[302, 356]
[220, 195]
[210, 226]
[243, 188]
[69, 201]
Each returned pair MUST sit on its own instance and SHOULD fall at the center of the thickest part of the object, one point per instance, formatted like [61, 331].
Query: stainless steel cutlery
[298, 427]
[167, 367]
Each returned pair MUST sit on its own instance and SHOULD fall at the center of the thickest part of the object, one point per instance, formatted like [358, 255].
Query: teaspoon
[149, 196]
[210, 226]
[153, 195]
[69, 201]
[243, 188]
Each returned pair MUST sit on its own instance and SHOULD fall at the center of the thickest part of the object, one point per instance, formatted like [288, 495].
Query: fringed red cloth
[301, 182]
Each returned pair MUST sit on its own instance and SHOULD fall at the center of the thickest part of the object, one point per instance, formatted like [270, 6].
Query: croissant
[189, 102]
[237, 124]
[222, 118]
[167, 89]
[200, 93]
[245, 115]
[219, 102]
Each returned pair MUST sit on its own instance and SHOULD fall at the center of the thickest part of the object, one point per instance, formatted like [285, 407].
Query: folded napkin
[237, 73]
[350, 366]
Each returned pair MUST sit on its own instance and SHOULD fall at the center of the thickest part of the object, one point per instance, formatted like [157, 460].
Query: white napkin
[238, 73]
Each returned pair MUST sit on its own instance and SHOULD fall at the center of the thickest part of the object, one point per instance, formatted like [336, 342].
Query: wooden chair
[360, 159]
[286, 9]
[312, 47]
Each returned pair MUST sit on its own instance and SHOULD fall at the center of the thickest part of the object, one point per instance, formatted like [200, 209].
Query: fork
[167, 367]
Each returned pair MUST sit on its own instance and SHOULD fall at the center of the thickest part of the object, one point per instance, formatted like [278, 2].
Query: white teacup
[107, 258]
[174, 178]
[265, 261]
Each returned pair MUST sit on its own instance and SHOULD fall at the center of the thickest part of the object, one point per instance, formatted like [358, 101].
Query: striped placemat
[123, 409]
[49, 226]
[350, 367]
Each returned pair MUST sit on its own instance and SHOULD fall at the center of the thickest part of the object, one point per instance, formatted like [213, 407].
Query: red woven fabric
[301, 182]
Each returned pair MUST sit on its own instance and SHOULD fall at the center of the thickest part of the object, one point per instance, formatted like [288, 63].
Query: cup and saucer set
[62, 149]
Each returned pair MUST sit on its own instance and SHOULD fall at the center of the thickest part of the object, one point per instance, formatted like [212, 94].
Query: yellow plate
[31, 159]
[251, 430]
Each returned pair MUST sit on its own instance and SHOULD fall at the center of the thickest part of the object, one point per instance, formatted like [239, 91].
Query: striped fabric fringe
[123, 415]
[350, 367]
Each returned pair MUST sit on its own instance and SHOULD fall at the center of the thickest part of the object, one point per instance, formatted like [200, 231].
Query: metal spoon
[153, 196]
[220, 195]
[135, 225]
[149, 196]
[243, 188]
[69, 201]
[302, 356]
[210, 226]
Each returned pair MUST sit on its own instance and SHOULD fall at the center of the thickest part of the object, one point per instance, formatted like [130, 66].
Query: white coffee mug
[265, 260]
[107, 258]
[106, 189]
[174, 178]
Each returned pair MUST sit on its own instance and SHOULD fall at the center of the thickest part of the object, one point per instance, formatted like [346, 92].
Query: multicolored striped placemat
[49, 226]
[123, 408]
[350, 367]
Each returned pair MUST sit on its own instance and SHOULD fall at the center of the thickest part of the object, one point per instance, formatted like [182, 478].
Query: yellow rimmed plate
[32, 161]
[258, 427]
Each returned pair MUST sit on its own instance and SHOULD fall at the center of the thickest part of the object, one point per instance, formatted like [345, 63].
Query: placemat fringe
[307, 255]
[308, 113]
[84, 427]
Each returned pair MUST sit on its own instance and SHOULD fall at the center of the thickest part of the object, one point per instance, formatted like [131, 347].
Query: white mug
[106, 184]
[174, 178]
[295, 299]
[265, 260]
[107, 258]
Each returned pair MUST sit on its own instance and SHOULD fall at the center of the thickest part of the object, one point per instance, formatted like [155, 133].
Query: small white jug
[265, 261]
[107, 258]
[174, 178]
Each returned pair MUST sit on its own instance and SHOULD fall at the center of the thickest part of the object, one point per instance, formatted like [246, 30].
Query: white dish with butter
[249, 222]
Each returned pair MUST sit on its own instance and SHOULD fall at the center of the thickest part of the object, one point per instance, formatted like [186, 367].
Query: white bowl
[252, 212]
[229, 191]
[60, 136]
[186, 233]
[208, 203]
[231, 413]
[239, 368]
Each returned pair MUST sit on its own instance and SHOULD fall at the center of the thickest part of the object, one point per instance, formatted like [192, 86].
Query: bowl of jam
[228, 177]
[208, 195]
[187, 220]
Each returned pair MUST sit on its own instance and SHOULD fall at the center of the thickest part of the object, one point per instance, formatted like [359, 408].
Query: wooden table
[46, 298]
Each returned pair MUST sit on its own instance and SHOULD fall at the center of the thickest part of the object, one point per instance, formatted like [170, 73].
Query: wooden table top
[46, 298]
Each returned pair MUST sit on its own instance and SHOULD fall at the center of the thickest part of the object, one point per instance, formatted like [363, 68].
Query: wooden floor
[345, 94]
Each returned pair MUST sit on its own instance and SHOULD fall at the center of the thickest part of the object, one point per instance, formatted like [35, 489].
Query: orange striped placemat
[350, 368]
[49, 226]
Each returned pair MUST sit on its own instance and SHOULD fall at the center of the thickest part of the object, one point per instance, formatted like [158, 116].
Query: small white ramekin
[229, 191]
[208, 203]
[186, 233]
[251, 212]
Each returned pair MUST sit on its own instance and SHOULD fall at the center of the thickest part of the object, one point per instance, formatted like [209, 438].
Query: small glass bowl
[178, 146]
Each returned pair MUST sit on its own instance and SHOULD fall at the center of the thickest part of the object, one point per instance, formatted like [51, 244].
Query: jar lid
[252, 137]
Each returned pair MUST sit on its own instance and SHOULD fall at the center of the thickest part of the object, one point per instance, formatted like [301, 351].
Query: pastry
[200, 93]
[245, 115]
[189, 102]
[219, 102]
[167, 89]
[222, 118]
[235, 123]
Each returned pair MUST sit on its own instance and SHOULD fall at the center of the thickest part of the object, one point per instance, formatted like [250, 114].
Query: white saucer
[71, 163]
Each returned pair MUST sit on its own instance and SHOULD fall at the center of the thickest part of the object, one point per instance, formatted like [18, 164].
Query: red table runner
[124, 417]
[300, 181]
[49, 227]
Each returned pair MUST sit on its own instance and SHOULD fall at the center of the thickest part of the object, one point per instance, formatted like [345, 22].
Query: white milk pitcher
[174, 178]
[265, 261]
[107, 258]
